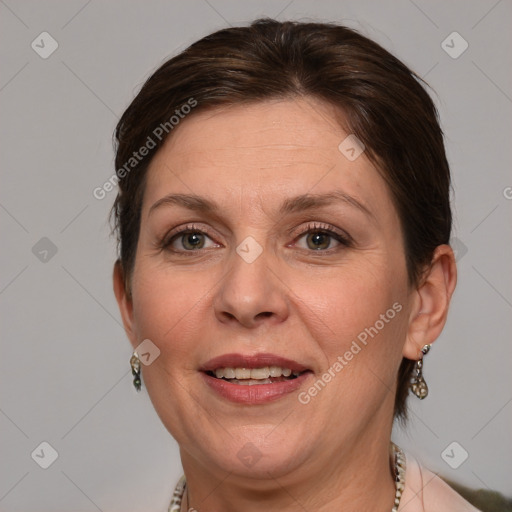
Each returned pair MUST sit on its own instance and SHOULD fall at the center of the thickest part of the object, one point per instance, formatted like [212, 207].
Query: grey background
[65, 376]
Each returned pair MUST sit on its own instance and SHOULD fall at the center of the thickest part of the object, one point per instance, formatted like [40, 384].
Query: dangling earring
[418, 385]
[135, 364]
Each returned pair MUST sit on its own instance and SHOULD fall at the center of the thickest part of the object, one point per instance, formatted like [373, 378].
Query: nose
[251, 294]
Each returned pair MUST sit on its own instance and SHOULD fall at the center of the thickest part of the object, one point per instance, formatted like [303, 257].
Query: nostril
[265, 314]
[247, 320]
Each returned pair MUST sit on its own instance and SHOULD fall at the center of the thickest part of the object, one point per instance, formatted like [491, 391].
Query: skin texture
[295, 301]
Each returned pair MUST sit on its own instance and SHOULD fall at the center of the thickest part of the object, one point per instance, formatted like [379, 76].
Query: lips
[253, 379]
[252, 361]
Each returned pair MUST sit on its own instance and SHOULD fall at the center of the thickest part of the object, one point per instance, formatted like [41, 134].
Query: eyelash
[188, 229]
[313, 227]
[326, 229]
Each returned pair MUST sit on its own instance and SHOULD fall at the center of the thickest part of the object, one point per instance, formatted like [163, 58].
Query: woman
[284, 220]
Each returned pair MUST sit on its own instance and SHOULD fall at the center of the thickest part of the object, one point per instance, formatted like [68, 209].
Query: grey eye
[317, 240]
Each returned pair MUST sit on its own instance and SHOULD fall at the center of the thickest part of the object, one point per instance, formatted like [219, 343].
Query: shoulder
[426, 492]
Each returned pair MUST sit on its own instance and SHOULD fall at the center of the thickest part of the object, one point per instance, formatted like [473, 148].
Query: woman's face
[264, 245]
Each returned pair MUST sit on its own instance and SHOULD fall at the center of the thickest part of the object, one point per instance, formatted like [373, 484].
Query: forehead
[270, 149]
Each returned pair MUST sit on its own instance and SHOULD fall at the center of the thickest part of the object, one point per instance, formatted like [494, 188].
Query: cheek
[358, 311]
[164, 303]
[359, 326]
[349, 299]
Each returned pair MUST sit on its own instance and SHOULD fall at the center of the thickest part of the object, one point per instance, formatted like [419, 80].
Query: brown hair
[384, 104]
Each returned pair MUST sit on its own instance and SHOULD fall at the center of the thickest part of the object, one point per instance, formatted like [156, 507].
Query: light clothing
[426, 492]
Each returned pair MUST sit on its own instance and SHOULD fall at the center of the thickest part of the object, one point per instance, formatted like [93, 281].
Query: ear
[430, 302]
[124, 301]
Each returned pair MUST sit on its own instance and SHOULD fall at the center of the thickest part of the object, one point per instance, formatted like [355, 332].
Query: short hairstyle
[383, 103]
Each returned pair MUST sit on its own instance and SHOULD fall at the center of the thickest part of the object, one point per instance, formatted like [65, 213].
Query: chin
[259, 451]
[258, 463]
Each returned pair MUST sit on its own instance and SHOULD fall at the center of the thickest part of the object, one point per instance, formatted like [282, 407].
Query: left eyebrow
[313, 201]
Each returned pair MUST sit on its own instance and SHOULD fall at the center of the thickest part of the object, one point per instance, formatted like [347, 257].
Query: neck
[354, 477]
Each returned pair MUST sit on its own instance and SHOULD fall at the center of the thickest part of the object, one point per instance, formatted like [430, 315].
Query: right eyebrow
[189, 201]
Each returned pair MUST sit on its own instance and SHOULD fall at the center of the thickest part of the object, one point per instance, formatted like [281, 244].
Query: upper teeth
[253, 373]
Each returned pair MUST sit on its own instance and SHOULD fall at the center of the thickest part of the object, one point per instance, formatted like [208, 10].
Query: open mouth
[255, 376]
